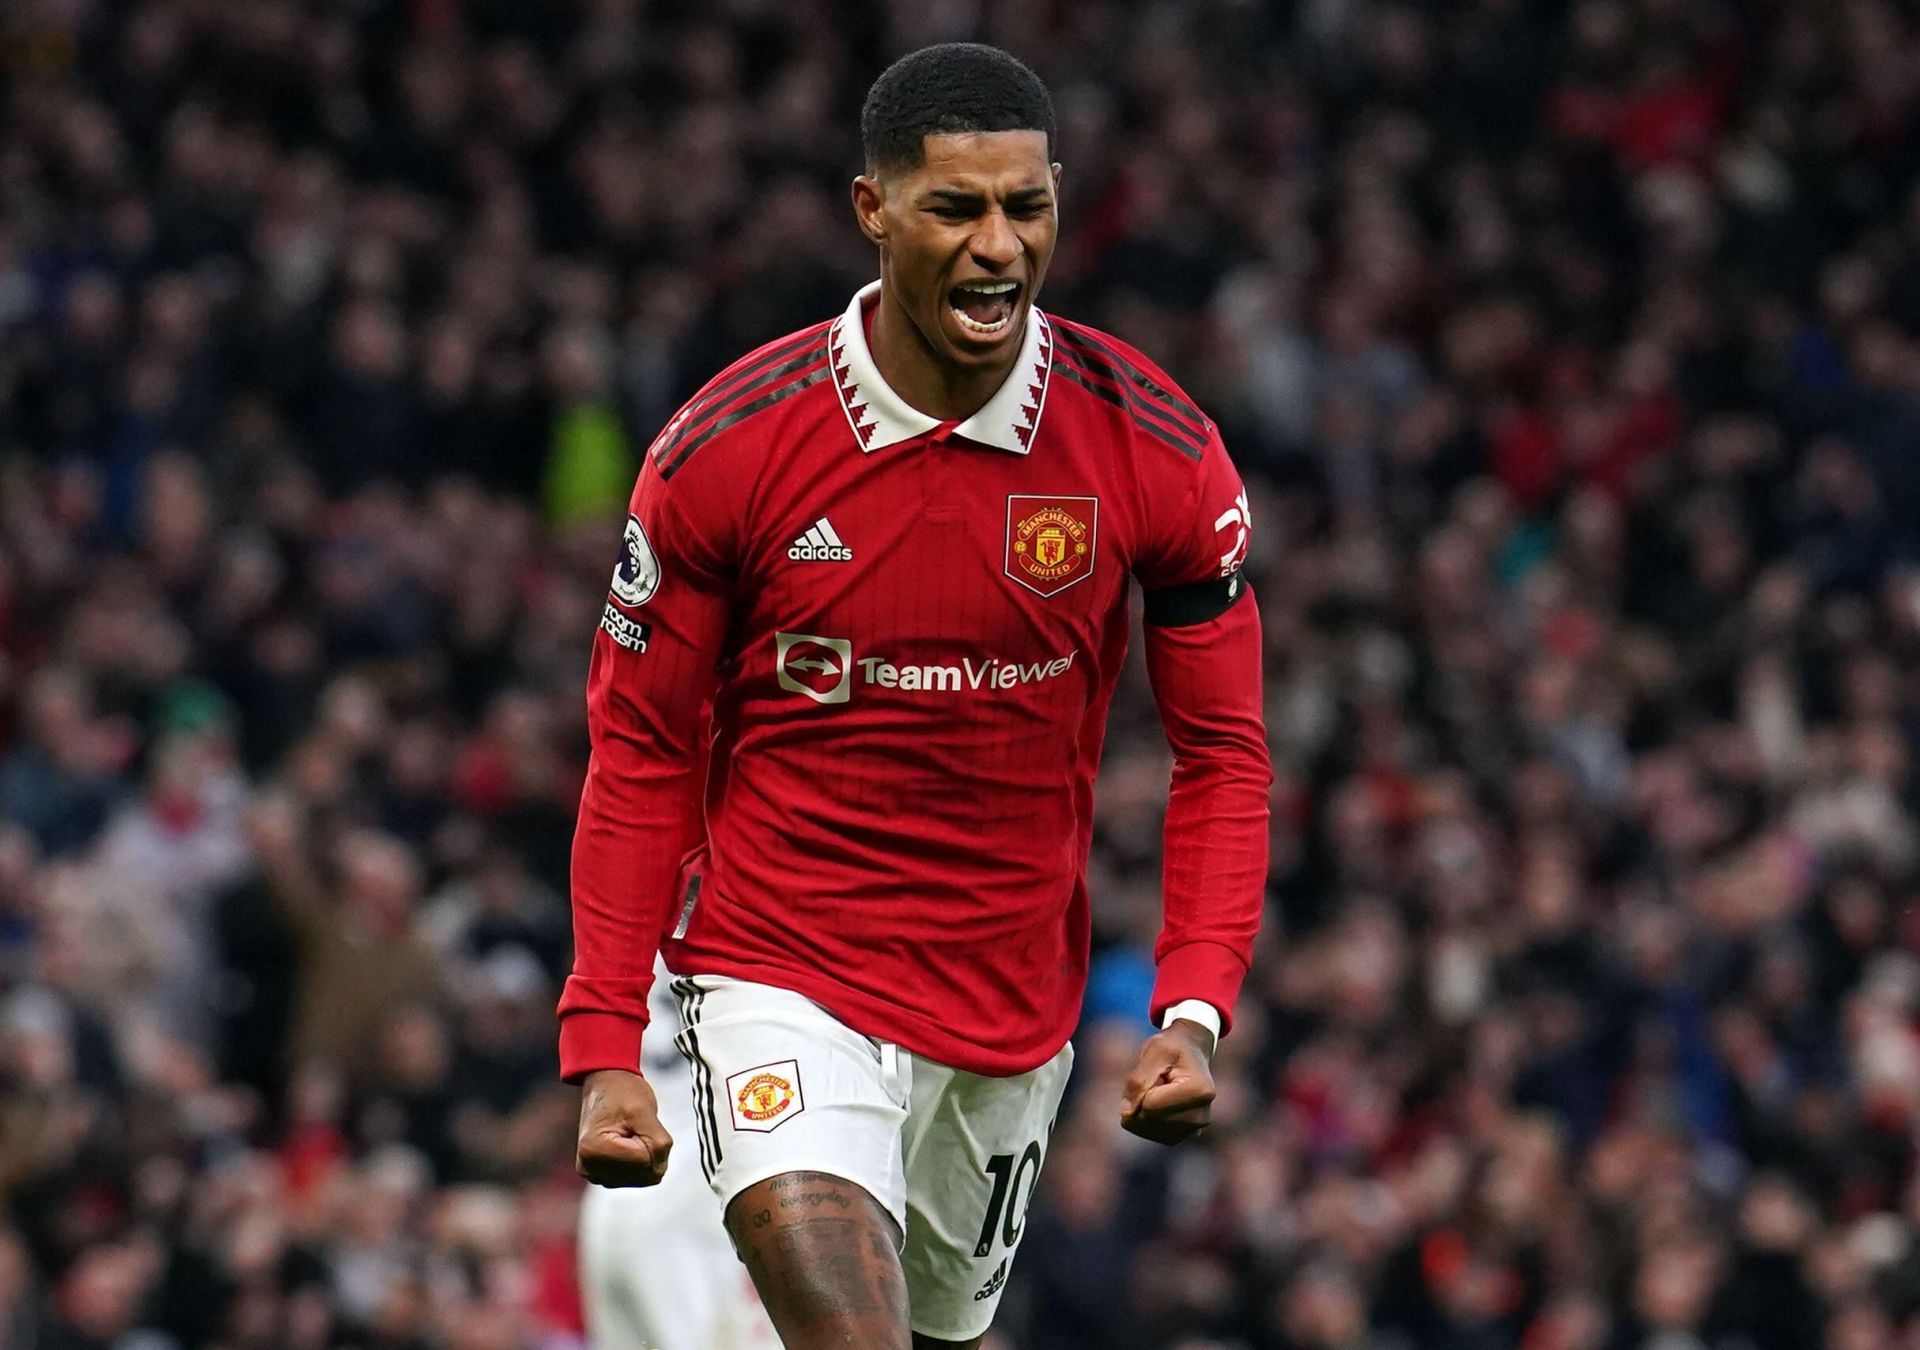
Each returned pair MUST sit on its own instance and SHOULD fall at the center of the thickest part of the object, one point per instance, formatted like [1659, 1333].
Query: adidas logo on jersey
[819, 544]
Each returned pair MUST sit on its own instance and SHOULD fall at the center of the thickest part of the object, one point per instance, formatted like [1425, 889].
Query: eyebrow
[962, 197]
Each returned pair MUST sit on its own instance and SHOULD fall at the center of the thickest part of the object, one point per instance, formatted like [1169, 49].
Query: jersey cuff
[1196, 602]
[590, 1041]
[1208, 971]
[1193, 1010]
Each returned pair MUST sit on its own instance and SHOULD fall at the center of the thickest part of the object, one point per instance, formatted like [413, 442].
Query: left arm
[1204, 651]
[1206, 681]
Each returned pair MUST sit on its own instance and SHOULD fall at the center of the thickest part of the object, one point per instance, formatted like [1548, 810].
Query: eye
[948, 212]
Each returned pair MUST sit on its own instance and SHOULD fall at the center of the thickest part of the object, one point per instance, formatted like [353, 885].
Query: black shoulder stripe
[695, 423]
[1146, 393]
[783, 359]
[1181, 406]
[668, 468]
[1197, 602]
[1113, 396]
[1115, 391]
[729, 384]
[1091, 364]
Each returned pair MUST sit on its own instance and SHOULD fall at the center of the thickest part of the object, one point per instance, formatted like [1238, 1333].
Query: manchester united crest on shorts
[1051, 541]
[766, 1097]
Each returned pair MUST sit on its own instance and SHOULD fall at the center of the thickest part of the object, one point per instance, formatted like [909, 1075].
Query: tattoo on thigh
[830, 1255]
[806, 1192]
[822, 1265]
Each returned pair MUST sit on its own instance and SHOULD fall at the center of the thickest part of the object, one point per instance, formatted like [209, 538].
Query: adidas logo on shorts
[819, 544]
[994, 1281]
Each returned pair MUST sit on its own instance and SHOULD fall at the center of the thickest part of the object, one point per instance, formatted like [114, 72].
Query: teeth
[974, 327]
[995, 288]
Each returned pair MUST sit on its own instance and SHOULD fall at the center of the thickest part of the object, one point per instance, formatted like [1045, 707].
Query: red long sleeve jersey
[909, 631]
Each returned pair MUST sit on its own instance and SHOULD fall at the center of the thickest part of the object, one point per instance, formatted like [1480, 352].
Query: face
[965, 238]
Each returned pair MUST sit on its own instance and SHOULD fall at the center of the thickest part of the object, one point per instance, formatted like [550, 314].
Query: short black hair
[949, 90]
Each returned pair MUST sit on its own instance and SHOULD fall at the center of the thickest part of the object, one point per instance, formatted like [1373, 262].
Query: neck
[920, 375]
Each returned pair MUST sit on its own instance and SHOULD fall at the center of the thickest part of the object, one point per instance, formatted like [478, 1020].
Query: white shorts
[781, 1085]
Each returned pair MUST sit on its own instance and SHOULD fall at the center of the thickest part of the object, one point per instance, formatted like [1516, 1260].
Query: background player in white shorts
[656, 1267]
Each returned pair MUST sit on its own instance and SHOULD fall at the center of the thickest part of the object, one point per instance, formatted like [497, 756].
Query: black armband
[1196, 602]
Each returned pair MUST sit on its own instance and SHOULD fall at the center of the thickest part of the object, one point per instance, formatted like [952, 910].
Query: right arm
[653, 666]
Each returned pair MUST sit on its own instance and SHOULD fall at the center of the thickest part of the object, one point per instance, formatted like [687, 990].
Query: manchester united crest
[1051, 540]
[766, 1097]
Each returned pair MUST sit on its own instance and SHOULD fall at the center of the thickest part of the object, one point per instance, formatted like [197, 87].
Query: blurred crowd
[1571, 351]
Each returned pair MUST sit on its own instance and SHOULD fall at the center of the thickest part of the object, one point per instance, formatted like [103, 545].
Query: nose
[995, 245]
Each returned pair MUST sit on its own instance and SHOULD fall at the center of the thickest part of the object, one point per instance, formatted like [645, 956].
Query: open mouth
[984, 308]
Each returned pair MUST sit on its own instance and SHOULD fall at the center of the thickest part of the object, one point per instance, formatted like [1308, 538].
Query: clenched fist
[622, 1142]
[1169, 1094]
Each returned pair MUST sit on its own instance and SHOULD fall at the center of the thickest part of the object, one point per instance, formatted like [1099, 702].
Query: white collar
[880, 417]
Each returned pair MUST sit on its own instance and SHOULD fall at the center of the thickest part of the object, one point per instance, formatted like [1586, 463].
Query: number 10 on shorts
[1008, 1178]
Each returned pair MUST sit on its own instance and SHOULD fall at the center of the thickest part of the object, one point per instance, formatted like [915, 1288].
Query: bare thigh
[824, 1255]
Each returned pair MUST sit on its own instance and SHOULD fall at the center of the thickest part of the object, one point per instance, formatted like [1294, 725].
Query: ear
[869, 208]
